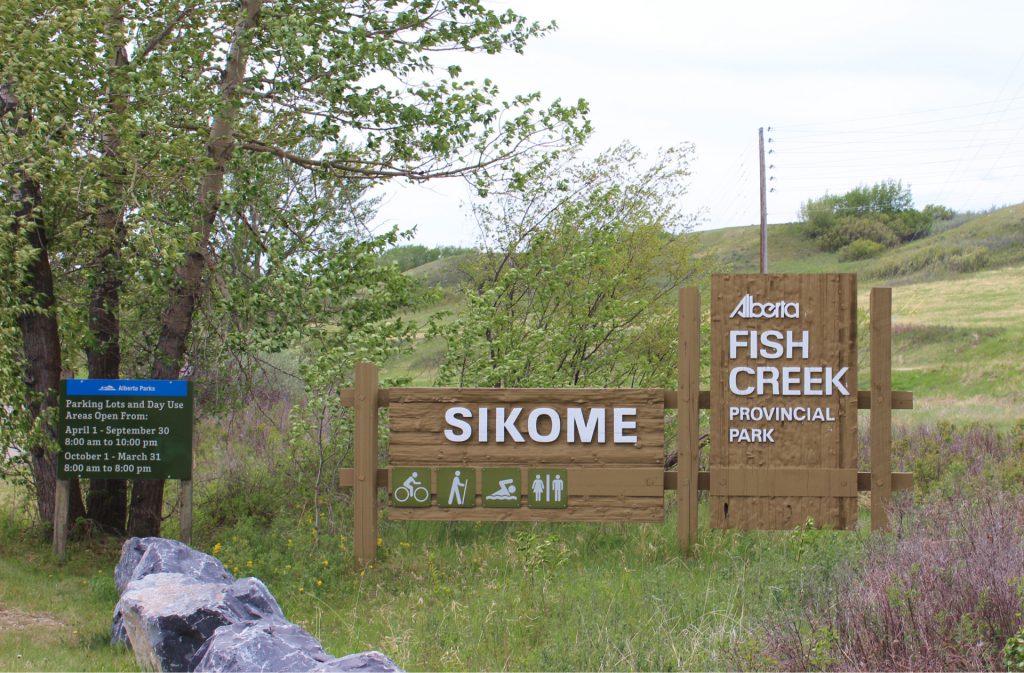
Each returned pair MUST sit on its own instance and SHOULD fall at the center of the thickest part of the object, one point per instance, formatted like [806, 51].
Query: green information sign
[410, 486]
[125, 429]
[546, 488]
[500, 487]
[456, 487]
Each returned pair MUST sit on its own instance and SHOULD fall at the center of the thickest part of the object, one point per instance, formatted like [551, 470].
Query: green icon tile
[456, 487]
[546, 488]
[500, 487]
[410, 486]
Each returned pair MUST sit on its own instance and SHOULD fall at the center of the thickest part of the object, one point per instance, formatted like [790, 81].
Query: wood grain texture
[642, 488]
[881, 414]
[688, 415]
[365, 458]
[418, 423]
[585, 508]
[828, 313]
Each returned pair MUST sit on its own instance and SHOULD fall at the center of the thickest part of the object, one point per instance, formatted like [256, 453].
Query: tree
[882, 213]
[576, 285]
[124, 122]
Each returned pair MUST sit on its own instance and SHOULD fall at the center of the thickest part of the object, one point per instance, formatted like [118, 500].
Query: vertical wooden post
[881, 406]
[186, 512]
[764, 203]
[61, 503]
[365, 487]
[688, 433]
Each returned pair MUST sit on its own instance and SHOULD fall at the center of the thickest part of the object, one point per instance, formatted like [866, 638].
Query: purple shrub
[944, 592]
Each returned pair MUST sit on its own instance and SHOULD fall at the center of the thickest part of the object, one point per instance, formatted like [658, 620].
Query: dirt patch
[13, 620]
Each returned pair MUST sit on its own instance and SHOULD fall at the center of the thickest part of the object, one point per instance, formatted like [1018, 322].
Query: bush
[944, 592]
[941, 596]
[882, 213]
[862, 248]
[852, 228]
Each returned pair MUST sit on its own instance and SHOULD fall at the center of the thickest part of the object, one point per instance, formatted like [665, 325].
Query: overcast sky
[931, 93]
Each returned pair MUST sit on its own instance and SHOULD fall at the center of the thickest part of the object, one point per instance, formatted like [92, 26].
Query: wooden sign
[783, 401]
[526, 454]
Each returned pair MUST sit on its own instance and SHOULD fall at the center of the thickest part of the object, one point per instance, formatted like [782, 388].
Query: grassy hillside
[957, 328]
[988, 241]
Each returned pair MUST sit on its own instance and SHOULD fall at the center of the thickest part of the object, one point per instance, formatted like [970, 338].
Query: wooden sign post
[783, 403]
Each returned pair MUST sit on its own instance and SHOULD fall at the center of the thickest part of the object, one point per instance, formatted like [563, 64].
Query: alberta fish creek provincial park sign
[526, 454]
[125, 429]
[783, 401]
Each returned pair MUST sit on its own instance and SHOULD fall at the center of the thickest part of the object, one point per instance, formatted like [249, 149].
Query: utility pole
[764, 204]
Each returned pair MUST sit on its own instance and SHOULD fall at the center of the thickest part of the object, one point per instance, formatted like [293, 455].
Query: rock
[141, 556]
[263, 645]
[167, 617]
[363, 661]
[274, 645]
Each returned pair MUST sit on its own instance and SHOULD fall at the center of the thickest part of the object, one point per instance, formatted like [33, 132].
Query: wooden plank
[452, 455]
[348, 397]
[61, 503]
[418, 425]
[824, 310]
[583, 481]
[881, 414]
[688, 414]
[593, 509]
[795, 482]
[900, 399]
[365, 458]
[186, 512]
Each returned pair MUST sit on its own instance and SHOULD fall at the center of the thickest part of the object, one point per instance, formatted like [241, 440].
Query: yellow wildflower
[216, 548]
[248, 564]
[380, 542]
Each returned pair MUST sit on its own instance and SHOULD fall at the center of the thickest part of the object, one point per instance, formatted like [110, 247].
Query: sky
[849, 93]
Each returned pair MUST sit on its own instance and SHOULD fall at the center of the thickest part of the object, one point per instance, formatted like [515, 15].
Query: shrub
[862, 248]
[968, 261]
[942, 595]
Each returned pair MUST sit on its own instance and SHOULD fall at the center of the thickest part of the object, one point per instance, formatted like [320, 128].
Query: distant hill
[988, 241]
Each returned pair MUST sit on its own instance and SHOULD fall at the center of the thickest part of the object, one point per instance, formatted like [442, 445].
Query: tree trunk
[41, 344]
[176, 322]
[39, 335]
[107, 502]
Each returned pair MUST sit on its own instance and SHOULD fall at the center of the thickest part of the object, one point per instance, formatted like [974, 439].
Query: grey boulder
[275, 645]
[141, 556]
[167, 617]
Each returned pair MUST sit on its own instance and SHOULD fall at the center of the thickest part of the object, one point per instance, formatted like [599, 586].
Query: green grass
[461, 596]
[56, 617]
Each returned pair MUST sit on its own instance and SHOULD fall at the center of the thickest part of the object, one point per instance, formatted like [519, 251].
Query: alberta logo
[748, 308]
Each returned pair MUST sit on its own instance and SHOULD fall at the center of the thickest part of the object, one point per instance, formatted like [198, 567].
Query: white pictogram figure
[506, 491]
[411, 488]
[457, 494]
[538, 488]
[556, 486]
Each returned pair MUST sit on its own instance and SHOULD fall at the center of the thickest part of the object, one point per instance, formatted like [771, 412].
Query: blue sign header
[127, 387]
